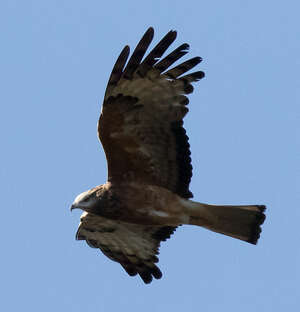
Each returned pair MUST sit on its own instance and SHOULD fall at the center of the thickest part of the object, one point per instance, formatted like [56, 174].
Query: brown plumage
[146, 195]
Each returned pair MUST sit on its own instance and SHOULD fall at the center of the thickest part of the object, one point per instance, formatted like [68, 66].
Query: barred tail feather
[241, 222]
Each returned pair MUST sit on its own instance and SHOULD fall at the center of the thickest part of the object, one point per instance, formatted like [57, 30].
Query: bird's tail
[242, 222]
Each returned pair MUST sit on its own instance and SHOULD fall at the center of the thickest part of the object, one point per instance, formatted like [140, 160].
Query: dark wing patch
[184, 161]
[164, 233]
[141, 125]
[135, 247]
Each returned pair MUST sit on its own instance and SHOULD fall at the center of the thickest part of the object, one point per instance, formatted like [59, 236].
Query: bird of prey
[147, 194]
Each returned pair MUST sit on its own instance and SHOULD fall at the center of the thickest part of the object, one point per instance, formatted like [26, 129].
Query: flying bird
[147, 194]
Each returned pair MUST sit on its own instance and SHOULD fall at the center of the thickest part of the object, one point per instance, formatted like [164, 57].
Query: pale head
[85, 200]
[92, 200]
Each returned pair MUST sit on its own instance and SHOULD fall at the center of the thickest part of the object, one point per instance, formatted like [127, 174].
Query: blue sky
[243, 125]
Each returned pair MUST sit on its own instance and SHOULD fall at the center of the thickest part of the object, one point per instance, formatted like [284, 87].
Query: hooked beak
[73, 207]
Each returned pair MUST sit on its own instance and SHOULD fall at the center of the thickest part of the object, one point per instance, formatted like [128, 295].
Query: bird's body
[147, 194]
[154, 205]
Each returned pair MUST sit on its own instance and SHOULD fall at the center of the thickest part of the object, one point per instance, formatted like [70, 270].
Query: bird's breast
[142, 204]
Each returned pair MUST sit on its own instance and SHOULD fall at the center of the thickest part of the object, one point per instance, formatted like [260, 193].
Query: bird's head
[85, 201]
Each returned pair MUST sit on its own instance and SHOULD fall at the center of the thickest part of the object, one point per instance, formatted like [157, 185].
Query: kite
[146, 196]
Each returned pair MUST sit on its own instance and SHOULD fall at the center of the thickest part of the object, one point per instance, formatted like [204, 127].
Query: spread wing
[141, 123]
[134, 246]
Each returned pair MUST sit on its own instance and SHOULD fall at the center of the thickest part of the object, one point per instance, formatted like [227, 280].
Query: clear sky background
[244, 126]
